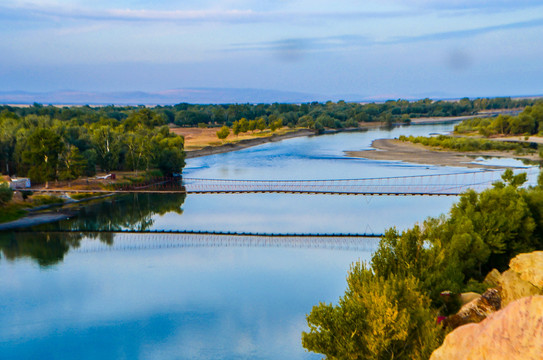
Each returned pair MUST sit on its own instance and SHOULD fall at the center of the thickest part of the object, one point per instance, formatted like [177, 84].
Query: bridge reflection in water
[140, 241]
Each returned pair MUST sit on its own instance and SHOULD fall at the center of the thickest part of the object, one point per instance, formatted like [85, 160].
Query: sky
[381, 49]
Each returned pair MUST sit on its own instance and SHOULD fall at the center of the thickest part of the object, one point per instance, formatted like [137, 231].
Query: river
[134, 296]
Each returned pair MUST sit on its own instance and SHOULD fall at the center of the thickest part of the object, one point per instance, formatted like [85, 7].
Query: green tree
[6, 193]
[243, 125]
[42, 155]
[377, 318]
[138, 150]
[8, 130]
[261, 124]
[223, 132]
[107, 143]
[72, 164]
[145, 117]
[252, 125]
[236, 128]
[171, 156]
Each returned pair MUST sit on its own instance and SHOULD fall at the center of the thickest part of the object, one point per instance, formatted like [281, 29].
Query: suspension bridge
[436, 184]
[451, 184]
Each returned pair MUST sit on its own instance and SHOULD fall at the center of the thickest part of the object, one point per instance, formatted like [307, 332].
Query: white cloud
[45, 11]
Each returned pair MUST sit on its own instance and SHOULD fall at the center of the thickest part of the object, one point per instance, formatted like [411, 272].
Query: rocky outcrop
[524, 277]
[515, 332]
[476, 310]
[529, 267]
[493, 278]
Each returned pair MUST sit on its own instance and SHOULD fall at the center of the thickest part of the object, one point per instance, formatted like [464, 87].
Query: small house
[20, 183]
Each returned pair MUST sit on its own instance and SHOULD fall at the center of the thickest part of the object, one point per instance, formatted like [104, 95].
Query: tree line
[49, 143]
[390, 307]
[528, 122]
[339, 114]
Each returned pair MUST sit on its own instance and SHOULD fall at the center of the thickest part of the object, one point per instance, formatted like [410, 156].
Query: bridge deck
[424, 185]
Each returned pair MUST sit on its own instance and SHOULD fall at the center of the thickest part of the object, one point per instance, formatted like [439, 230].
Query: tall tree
[107, 142]
[42, 155]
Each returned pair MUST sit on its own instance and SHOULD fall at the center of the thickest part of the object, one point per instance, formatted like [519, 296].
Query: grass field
[198, 138]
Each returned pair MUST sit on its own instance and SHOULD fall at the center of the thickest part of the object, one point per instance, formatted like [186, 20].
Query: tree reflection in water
[127, 212]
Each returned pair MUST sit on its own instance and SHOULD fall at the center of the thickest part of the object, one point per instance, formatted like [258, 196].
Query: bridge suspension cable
[434, 184]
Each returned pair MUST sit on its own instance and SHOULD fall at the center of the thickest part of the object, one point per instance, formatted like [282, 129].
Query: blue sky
[373, 48]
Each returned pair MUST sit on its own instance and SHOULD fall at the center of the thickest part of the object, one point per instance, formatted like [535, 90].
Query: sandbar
[396, 150]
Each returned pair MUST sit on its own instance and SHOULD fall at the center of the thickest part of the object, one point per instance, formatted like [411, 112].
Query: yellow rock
[516, 332]
[514, 288]
[524, 278]
[468, 297]
[493, 278]
[530, 267]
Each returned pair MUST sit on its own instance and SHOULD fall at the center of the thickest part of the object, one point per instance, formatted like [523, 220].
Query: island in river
[393, 149]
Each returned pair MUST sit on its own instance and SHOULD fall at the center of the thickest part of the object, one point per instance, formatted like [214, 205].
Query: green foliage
[39, 200]
[467, 143]
[171, 161]
[389, 309]
[223, 132]
[42, 155]
[261, 124]
[6, 194]
[528, 122]
[72, 164]
[127, 137]
[11, 212]
[377, 318]
[483, 231]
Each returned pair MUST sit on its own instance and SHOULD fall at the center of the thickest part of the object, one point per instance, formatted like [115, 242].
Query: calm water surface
[130, 296]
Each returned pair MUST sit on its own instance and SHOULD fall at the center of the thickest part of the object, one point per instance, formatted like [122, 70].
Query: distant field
[197, 138]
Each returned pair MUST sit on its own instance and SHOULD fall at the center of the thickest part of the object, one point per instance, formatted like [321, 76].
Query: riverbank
[33, 216]
[396, 150]
[36, 219]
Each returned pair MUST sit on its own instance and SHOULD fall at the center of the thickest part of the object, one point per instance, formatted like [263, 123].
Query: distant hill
[168, 97]
[199, 96]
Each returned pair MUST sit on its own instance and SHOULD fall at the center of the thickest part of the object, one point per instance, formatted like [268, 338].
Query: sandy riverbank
[392, 149]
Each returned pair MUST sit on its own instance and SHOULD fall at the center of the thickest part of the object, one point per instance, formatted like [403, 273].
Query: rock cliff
[524, 277]
[516, 332]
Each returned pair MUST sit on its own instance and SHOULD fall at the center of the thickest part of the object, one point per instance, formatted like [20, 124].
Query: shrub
[377, 318]
[6, 194]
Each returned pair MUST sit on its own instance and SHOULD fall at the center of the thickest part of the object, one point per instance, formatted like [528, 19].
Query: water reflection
[169, 303]
[125, 212]
[45, 248]
[128, 212]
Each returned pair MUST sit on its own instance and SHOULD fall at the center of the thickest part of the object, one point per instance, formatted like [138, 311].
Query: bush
[6, 194]
[467, 144]
[223, 132]
[377, 318]
[389, 309]
[39, 200]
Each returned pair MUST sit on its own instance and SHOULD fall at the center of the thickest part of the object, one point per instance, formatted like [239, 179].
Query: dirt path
[392, 149]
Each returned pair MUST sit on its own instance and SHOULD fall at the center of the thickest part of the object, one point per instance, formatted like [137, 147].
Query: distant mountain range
[191, 95]
[167, 97]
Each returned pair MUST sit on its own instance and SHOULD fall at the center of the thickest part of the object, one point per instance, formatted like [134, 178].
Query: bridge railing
[449, 184]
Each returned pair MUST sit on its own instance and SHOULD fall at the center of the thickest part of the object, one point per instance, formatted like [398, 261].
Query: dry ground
[392, 149]
[198, 138]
